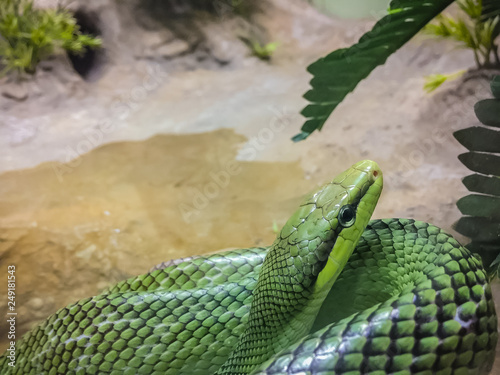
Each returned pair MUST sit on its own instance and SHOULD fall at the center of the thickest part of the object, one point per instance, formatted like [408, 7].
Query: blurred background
[167, 133]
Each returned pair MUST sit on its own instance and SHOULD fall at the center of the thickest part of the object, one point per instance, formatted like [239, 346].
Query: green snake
[335, 293]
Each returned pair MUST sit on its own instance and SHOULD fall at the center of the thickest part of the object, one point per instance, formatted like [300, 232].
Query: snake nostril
[375, 173]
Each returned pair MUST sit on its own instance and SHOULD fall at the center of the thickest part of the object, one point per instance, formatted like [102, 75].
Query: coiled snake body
[409, 300]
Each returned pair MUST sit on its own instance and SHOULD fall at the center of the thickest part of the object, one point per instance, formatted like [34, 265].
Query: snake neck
[283, 311]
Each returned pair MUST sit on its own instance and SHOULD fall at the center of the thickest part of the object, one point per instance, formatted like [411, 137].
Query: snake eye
[347, 215]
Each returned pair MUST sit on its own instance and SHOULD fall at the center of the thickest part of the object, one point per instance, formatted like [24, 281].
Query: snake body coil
[409, 300]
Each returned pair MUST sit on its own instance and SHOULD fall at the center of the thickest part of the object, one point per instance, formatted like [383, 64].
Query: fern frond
[336, 75]
[482, 210]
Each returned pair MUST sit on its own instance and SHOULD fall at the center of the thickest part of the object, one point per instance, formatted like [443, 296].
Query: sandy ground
[145, 165]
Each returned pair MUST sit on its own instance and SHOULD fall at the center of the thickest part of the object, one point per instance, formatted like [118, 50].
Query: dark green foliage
[481, 162]
[479, 139]
[495, 86]
[480, 205]
[482, 220]
[484, 231]
[491, 9]
[337, 74]
[487, 112]
[28, 35]
[482, 184]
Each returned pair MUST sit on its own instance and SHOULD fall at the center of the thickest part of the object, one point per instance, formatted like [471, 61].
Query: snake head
[321, 235]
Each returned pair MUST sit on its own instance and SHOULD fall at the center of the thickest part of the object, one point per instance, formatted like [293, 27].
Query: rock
[161, 45]
[15, 90]
[152, 40]
[172, 49]
[223, 46]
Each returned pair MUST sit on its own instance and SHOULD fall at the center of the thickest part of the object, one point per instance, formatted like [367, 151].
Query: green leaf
[488, 112]
[433, 81]
[480, 228]
[491, 9]
[482, 184]
[337, 74]
[496, 261]
[496, 266]
[482, 163]
[486, 33]
[459, 29]
[489, 253]
[495, 87]
[478, 138]
[480, 205]
[482, 224]
[471, 7]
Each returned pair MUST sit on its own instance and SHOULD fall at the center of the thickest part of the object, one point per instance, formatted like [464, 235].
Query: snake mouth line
[334, 260]
[361, 187]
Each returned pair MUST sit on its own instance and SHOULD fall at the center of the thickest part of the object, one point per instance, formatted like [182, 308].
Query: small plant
[477, 31]
[262, 51]
[28, 35]
[433, 81]
[474, 32]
